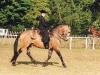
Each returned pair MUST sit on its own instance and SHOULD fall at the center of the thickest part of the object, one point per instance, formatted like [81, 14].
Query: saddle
[33, 34]
[40, 32]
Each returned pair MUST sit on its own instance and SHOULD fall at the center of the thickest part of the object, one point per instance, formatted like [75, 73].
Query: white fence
[8, 38]
[88, 41]
[75, 42]
[82, 42]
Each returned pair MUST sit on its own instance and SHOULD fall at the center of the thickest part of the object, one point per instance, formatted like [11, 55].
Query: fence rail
[88, 42]
[82, 42]
[74, 42]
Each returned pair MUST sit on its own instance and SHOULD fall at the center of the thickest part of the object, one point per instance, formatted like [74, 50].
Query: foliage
[33, 13]
[80, 14]
[12, 11]
[17, 28]
[76, 13]
[96, 13]
[96, 24]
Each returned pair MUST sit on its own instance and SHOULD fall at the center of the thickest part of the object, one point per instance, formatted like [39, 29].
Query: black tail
[15, 46]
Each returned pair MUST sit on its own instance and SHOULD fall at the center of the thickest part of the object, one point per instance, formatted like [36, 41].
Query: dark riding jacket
[43, 27]
[42, 23]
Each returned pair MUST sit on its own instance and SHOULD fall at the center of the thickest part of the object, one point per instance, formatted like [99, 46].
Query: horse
[31, 38]
[95, 33]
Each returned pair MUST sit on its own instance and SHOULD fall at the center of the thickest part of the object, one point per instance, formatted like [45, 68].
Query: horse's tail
[16, 43]
[15, 46]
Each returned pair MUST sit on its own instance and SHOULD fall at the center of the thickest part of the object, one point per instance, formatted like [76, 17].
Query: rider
[43, 28]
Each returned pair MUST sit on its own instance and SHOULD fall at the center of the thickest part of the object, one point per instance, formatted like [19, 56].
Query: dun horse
[94, 32]
[33, 38]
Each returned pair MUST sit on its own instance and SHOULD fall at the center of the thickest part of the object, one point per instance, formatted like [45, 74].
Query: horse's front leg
[29, 54]
[60, 56]
[49, 56]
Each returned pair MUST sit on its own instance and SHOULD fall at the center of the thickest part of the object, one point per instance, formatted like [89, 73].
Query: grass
[78, 61]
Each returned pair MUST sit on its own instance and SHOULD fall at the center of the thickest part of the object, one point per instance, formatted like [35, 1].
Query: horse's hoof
[13, 63]
[34, 63]
[44, 65]
[64, 66]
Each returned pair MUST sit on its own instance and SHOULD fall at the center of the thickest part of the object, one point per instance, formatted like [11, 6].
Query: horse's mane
[58, 26]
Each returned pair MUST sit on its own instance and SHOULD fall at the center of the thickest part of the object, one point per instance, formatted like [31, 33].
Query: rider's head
[43, 12]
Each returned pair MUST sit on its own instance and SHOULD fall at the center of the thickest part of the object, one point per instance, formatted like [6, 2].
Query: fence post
[70, 43]
[93, 43]
[86, 42]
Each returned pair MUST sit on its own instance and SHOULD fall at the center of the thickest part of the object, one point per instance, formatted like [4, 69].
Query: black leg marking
[60, 56]
[49, 56]
[16, 54]
[29, 54]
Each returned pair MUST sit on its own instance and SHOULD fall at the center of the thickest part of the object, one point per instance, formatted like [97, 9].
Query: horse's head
[63, 31]
[66, 32]
[91, 29]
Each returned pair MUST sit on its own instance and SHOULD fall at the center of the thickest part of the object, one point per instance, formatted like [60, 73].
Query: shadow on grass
[37, 62]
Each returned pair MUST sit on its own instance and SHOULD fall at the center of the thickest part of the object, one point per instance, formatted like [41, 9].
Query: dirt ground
[78, 61]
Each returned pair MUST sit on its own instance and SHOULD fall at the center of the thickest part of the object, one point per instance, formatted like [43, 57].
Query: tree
[16, 14]
[33, 13]
[58, 11]
[95, 8]
[74, 12]
[12, 11]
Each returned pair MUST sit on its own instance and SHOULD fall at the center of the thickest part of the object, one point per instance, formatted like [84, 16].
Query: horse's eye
[68, 32]
[62, 34]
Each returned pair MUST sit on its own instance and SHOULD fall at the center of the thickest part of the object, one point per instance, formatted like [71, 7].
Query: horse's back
[26, 38]
[27, 32]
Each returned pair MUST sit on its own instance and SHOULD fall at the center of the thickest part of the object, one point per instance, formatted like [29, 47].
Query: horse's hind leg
[29, 54]
[49, 56]
[60, 56]
[16, 54]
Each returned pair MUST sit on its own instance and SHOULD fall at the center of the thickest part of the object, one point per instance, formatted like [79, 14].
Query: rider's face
[43, 14]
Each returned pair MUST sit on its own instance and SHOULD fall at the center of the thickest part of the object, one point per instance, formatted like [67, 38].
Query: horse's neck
[56, 35]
